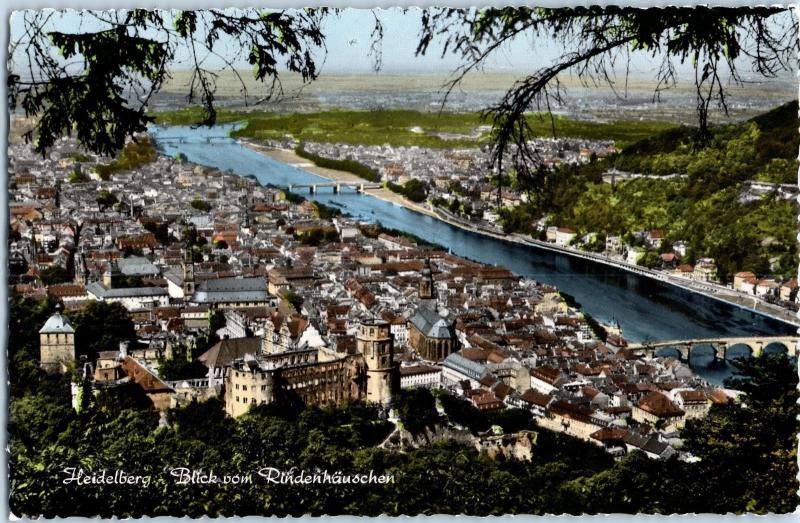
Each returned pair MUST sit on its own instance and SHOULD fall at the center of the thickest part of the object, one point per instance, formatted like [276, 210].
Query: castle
[304, 369]
[318, 375]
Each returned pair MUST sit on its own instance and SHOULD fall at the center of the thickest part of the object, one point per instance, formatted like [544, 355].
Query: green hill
[762, 148]
[703, 208]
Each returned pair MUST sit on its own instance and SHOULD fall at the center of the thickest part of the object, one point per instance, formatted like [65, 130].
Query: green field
[394, 127]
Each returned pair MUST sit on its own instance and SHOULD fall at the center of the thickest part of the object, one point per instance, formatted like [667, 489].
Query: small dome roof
[57, 324]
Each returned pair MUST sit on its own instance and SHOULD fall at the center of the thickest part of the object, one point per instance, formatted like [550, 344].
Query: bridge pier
[312, 189]
[360, 189]
[337, 188]
[720, 351]
[686, 354]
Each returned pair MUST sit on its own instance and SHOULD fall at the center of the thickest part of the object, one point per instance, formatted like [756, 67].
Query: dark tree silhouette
[97, 79]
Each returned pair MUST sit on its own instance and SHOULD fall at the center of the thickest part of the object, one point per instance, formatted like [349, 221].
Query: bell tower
[110, 274]
[188, 275]
[376, 343]
[426, 285]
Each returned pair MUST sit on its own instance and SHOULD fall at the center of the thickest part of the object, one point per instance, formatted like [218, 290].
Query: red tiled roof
[536, 398]
[659, 405]
[143, 377]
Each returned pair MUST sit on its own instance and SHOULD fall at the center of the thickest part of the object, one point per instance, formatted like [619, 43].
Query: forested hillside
[703, 207]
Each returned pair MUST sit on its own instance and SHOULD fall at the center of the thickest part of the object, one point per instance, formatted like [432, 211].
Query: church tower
[111, 272]
[426, 285]
[188, 275]
[376, 343]
[56, 343]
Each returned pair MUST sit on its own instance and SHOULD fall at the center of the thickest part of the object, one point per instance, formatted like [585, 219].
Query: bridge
[360, 187]
[756, 346]
[203, 139]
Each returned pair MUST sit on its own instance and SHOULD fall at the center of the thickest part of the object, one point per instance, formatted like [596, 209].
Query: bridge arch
[738, 350]
[723, 348]
[776, 347]
[703, 354]
[673, 351]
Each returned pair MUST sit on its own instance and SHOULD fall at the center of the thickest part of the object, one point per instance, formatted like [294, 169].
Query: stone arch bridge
[756, 344]
[337, 186]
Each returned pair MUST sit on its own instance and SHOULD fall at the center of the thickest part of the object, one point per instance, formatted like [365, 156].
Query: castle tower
[376, 343]
[56, 343]
[426, 286]
[188, 275]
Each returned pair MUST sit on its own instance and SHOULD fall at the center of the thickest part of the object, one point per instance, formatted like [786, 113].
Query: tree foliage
[101, 326]
[417, 409]
[703, 207]
[747, 455]
[106, 199]
[200, 204]
[54, 274]
[350, 166]
[596, 42]
[71, 82]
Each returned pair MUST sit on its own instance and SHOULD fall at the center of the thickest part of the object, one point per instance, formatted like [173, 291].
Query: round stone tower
[376, 343]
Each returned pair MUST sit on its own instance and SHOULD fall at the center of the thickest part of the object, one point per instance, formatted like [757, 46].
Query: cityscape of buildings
[317, 309]
[459, 192]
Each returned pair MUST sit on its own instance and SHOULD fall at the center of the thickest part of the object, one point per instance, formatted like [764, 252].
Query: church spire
[426, 285]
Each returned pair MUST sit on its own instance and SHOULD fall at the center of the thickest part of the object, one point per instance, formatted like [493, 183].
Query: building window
[244, 387]
[237, 399]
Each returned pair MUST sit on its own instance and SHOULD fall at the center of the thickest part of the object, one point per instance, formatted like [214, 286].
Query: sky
[348, 41]
[348, 38]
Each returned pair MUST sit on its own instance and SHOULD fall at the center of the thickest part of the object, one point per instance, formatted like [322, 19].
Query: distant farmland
[405, 128]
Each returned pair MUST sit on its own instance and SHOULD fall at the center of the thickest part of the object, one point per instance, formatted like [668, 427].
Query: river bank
[289, 157]
[715, 292]
[709, 290]
[646, 309]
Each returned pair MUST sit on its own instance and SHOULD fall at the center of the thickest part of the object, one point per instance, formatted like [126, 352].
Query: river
[645, 309]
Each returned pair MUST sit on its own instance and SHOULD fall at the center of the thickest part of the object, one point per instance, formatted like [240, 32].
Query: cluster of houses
[458, 173]
[322, 310]
[703, 270]
[748, 283]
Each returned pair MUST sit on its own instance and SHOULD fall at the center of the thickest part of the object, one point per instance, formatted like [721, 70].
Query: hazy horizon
[348, 39]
